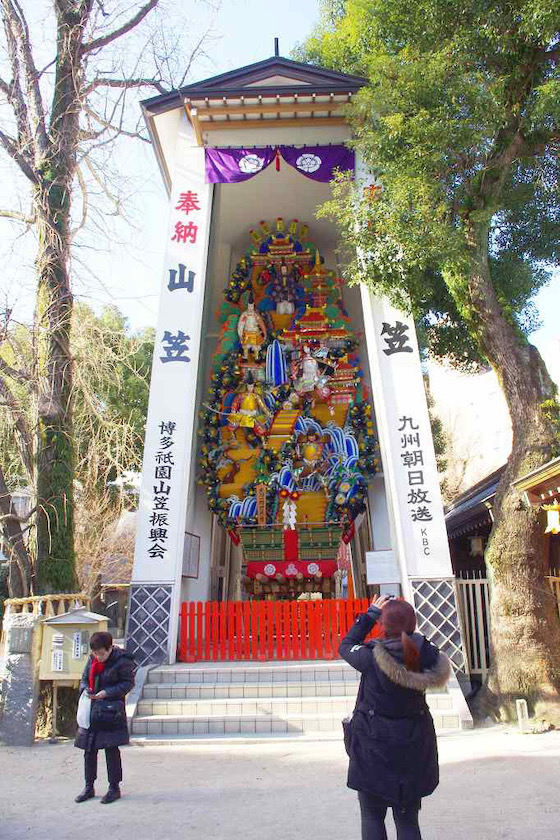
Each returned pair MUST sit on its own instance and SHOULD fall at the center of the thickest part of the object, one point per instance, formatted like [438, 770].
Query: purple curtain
[318, 162]
[229, 166]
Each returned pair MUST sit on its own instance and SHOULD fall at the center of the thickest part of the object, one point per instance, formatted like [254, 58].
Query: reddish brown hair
[398, 618]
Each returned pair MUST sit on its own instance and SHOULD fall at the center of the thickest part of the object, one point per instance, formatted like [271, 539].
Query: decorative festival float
[288, 437]
[290, 376]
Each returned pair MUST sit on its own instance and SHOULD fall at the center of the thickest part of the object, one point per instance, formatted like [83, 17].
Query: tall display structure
[287, 415]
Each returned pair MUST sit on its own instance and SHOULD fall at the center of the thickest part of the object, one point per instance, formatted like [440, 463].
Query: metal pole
[55, 709]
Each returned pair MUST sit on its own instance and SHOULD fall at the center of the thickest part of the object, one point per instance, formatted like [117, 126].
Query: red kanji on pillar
[185, 232]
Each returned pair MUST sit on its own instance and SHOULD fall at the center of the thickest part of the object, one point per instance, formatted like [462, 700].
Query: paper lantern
[552, 519]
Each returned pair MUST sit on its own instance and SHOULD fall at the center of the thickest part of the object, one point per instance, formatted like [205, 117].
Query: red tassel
[278, 160]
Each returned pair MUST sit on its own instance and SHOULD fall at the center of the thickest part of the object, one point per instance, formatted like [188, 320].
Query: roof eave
[168, 102]
[156, 145]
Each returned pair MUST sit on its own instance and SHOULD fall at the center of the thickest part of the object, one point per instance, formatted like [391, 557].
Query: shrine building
[289, 467]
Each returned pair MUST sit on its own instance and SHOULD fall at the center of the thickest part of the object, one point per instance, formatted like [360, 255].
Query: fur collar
[436, 677]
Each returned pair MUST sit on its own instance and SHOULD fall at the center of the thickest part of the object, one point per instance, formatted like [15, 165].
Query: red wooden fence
[262, 630]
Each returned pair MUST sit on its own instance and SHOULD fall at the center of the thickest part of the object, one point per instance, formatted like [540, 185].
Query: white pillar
[420, 543]
[169, 454]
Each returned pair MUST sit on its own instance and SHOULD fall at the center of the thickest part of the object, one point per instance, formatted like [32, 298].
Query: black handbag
[348, 721]
[108, 714]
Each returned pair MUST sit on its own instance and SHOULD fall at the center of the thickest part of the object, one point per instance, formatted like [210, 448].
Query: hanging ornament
[277, 159]
[289, 511]
[552, 519]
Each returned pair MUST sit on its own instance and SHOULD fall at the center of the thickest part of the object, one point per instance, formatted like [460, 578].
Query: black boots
[87, 793]
[112, 794]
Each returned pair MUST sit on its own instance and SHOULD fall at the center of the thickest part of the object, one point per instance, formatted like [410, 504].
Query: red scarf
[97, 667]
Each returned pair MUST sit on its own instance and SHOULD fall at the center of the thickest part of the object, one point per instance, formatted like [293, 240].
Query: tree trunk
[20, 573]
[55, 451]
[55, 446]
[525, 631]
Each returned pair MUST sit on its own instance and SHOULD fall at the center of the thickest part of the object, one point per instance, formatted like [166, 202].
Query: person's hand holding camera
[379, 601]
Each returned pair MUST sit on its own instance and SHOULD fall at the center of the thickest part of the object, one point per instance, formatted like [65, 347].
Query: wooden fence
[474, 605]
[46, 605]
[554, 581]
[264, 630]
[289, 630]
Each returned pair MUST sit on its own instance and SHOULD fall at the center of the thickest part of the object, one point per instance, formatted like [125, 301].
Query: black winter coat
[116, 680]
[393, 754]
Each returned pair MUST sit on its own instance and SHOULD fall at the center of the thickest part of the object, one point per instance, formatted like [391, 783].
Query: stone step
[277, 706]
[203, 691]
[247, 706]
[296, 724]
[253, 673]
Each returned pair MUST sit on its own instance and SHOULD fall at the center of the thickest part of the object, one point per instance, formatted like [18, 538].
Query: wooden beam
[227, 125]
[280, 108]
[192, 114]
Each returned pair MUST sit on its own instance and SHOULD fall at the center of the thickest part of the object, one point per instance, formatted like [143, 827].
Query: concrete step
[158, 726]
[266, 705]
[277, 706]
[210, 691]
[247, 672]
[252, 700]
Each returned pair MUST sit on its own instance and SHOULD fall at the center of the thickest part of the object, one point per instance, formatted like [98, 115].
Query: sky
[135, 266]
[126, 269]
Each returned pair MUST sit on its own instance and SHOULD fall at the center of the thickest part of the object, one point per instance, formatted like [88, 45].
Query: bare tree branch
[16, 24]
[11, 147]
[24, 435]
[97, 43]
[124, 83]
[118, 129]
[15, 97]
[83, 190]
[17, 518]
[14, 544]
[16, 375]
[20, 217]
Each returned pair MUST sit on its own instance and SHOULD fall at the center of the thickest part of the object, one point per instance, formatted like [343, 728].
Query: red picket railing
[264, 630]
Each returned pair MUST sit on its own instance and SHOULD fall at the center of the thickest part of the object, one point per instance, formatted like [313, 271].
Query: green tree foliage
[111, 388]
[451, 90]
[459, 121]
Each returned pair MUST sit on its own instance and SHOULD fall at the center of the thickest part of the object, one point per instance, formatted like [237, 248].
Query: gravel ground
[495, 783]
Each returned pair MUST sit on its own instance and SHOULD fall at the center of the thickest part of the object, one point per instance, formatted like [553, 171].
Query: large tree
[460, 122]
[69, 66]
[111, 386]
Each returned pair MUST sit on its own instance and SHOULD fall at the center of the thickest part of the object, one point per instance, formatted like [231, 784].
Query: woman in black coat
[107, 678]
[392, 744]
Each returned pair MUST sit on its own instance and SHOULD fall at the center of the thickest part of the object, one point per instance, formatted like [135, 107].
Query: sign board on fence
[191, 555]
[261, 503]
[382, 567]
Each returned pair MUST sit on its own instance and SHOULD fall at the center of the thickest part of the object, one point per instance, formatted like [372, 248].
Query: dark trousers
[373, 813]
[114, 766]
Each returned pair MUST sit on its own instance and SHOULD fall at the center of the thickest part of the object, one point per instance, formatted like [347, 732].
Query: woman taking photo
[107, 679]
[391, 739]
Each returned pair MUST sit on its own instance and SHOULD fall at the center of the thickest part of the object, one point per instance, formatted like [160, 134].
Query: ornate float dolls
[248, 410]
[251, 330]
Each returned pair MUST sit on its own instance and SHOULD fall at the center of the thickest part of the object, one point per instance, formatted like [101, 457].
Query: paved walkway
[495, 784]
